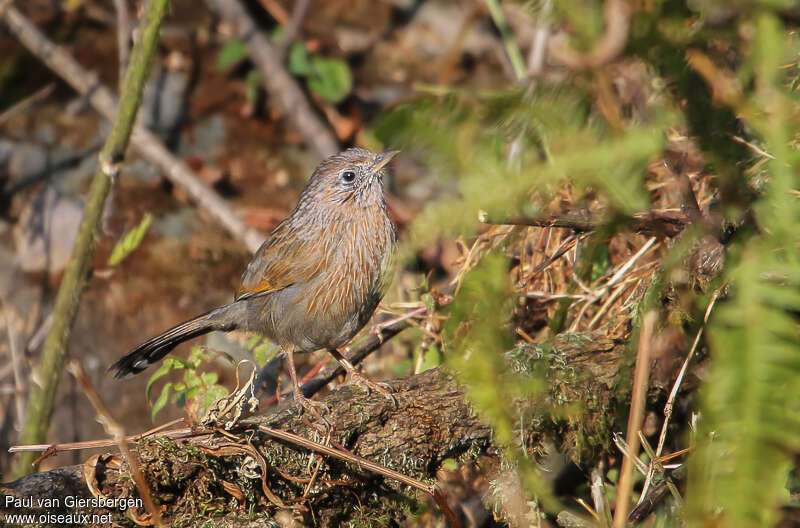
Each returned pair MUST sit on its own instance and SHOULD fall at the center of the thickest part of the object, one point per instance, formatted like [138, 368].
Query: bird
[316, 279]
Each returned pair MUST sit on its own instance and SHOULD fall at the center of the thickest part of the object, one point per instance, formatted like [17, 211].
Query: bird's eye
[348, 176]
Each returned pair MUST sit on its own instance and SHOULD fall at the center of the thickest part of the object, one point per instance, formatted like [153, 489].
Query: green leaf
[298, 61]
[208, 397]
[600, 262]
[209, 378]
[194, 391]
[178, 363]
[263, 353]
[161, 371]
[432, 359]
[162, 400]
[129, 241]
[231, 53]
[191, 379]
[331, 78]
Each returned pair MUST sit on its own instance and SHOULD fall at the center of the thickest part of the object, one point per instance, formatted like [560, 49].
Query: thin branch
[666, 222]
[541, 34]
[512, 50]
[145, 142]
[123, 36]
[116, 430]
[42, 394]
[281, 87]
[52, 449]
[673, 394]
[26, 103]
[361, 462]
[641, 376]
[16, 365]
[276, 11]
[599, 498]
[291, 29]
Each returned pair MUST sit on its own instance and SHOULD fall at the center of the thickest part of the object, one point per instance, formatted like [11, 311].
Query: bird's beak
[382, 159]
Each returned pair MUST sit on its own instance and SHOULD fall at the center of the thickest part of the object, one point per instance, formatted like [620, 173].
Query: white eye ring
[348, 176]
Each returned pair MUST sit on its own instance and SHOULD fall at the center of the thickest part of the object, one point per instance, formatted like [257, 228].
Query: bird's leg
[303, 402]
[359, 379]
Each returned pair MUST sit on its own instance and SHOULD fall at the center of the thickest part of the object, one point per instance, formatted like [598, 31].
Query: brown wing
[286, 258]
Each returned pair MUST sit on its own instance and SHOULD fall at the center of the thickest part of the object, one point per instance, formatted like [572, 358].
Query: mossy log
[215, 477]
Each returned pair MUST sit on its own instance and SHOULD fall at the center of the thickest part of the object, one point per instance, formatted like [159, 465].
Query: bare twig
[116, 430]
[645, 507]
[16, 365]
[674, 393]
[145, 142]
[123, 36]
[158, 432]
[39, 335]
[624, 269]
[599, 498]
[622, 445]
[276, 11]
[291, 29]
[281, 87]
[667, 222]
[617, 17]
[453, 54]
[41, 397]
[26, 103]
[641, 376]
[512, 50]
[342, 454]
[541, 33]
[755, 148]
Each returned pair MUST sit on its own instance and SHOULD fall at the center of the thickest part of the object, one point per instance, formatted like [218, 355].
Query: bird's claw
[356, 378]
[313, 408]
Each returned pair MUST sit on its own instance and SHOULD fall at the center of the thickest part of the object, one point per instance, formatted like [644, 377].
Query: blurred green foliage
[329, 78]
[726, 73]
[130, 241]
[195, 391]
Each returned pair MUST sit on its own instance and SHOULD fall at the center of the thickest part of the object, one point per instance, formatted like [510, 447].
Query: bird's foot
[314, 408]
[356, 378]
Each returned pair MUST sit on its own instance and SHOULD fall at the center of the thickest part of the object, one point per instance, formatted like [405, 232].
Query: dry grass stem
[641, 376]
[674, 393]
[116, 430]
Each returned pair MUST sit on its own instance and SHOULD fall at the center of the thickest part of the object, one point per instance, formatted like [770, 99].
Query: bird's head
[354, 177]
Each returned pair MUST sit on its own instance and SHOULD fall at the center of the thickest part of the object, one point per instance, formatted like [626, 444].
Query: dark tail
[223, 318]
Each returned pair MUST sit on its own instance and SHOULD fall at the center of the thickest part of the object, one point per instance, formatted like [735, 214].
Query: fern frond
[750, 400]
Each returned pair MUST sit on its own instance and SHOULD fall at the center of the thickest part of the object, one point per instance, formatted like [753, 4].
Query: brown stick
[342, 454]
[281, 86]
[145, 142]
[641, 376]
[123, 36]
[667, 222]
[292, 27]
[116, 430]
